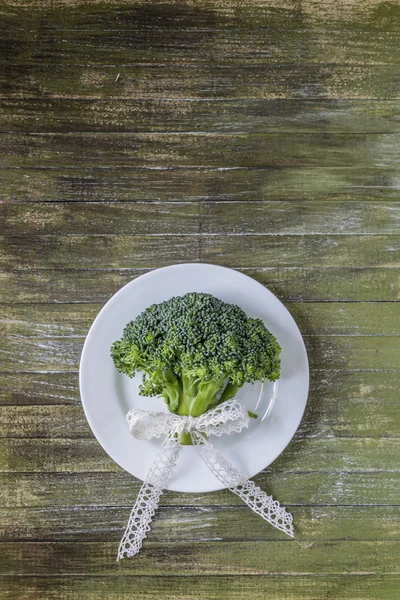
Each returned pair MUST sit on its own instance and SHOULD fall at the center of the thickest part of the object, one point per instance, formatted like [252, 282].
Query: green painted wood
[199, 46]
[189, 587]
[196, 524]
[223, 218]
[208, 558]
[30, 455]
[99, 489]
[39, 389]
[175, 150]
[289, 283]
[103, 218]
[30, 80]
[325, 352]
[341, 403]
[365, 15]
[107, 251]
[164, 184]
[313, 318]
[201, 115]
[145, 111]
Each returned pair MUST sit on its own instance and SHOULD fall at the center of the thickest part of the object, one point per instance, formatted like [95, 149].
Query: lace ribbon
[224, 419]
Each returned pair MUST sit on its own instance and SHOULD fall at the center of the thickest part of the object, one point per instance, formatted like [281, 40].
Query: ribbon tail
[255, 498]
[265, 506]
[149, 496]
[140, 518]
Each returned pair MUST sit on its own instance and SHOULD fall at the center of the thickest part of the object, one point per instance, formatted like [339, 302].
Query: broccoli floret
[196, 351]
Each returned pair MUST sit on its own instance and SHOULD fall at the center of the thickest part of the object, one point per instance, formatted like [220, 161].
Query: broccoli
[196, 351]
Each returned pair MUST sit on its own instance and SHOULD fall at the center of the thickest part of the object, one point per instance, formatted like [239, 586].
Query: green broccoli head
[196, 351]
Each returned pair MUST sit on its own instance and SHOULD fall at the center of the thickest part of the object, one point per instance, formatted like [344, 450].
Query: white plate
[107, 395]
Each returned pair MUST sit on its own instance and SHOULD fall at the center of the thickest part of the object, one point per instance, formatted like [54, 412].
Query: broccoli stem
[172, 391]
[197, 397]
[229, 392]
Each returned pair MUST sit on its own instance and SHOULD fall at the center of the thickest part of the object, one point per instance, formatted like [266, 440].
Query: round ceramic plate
[107, 395]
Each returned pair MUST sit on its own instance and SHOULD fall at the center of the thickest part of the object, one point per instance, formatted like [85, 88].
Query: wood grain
[207, 558]
[260, 135]
[325, 352]
[341, 284]
[224, 218]
[341, 403]
[313, 318]
[36, 455]
[125, 251]
[189, 587]
[177, 150]
[330, 487]
[196, 524]
[200, 115]
[163, 184]
[30, 80]
[365, 15]
[191, 45]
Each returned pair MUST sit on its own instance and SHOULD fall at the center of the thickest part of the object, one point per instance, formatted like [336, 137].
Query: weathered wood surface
[149, 251]
[342, 284]
[260, 135]
[56, 81]
[30, 455]
[366, 15]
[327, 352]
[56, 184]
[201, 115]
[99, 489]
[342, 403]
[211, 558]
[314, 318]
[194, 45]
[214, 218]
[187, 524]
[174, 150]
[308, 587]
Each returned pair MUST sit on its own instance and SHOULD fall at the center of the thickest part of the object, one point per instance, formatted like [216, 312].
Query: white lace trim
[224, 419]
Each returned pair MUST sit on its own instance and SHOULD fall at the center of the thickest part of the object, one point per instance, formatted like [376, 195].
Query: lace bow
[224, 419]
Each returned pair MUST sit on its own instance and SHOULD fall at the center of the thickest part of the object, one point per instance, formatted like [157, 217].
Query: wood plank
[201, 115]
[209, 150]
[36, 389]
[199, 524]
[217, 45]
[303, 454]
[330, 81]
[127, 251]
[324, 352]
[364, 15]
[192, 587]
[289, 283]
[78, 250]
[207, 558]
[300, 217]
[265, 49]
[171, 218]
[262, 217]
[52, 490]
[313, 318]
[340, 403]
[57, 422]
[339, 184]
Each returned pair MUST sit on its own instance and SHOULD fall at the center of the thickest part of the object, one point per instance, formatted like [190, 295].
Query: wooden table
[258, 134]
